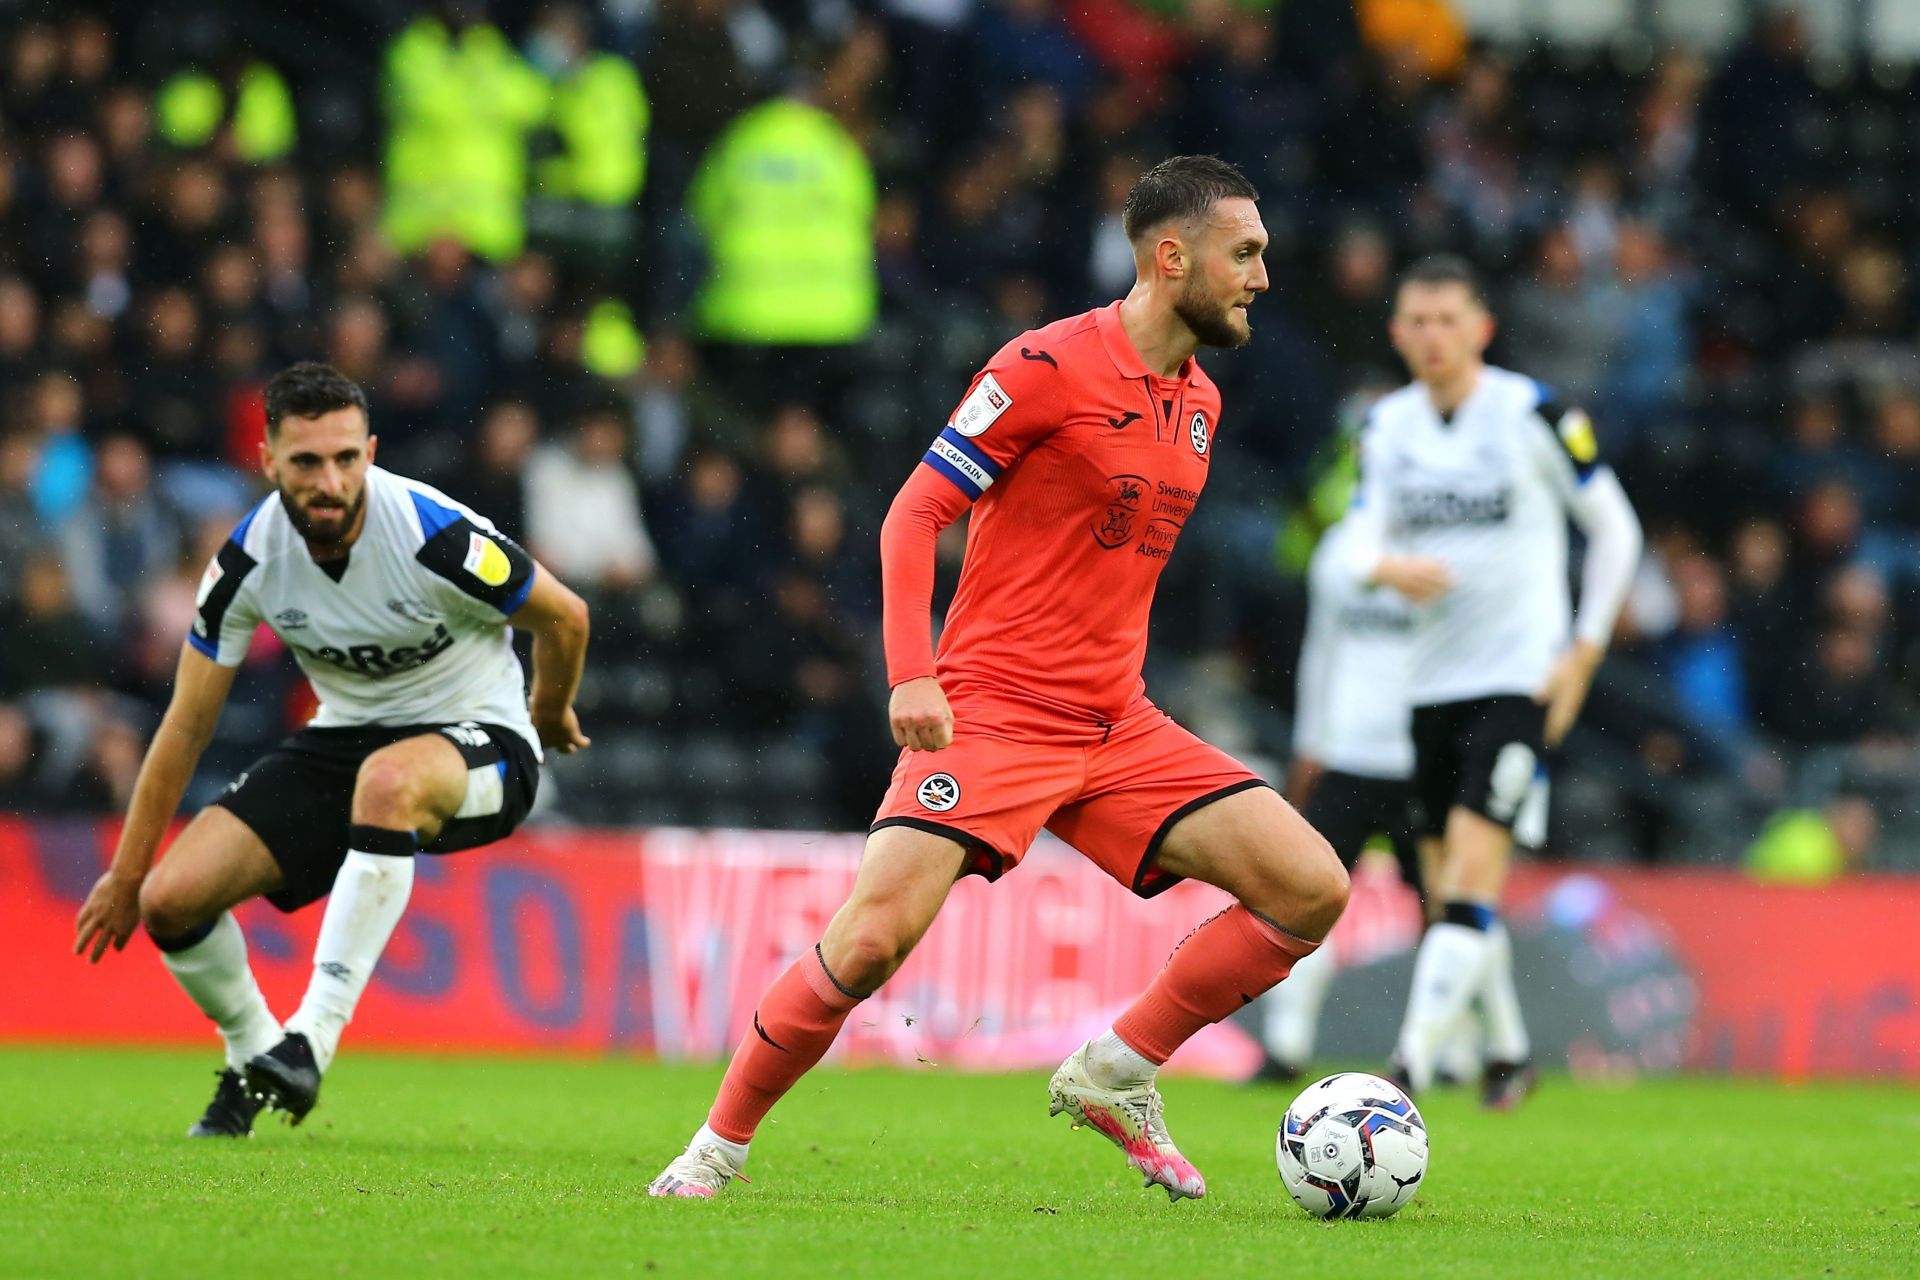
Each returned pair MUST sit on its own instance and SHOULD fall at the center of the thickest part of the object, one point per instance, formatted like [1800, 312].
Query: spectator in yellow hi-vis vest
[591, 159]
[192, 106]
[459, 108]
[599, 115]
[784, 201]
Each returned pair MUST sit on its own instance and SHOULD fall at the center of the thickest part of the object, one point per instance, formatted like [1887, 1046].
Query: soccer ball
[1352, 1146]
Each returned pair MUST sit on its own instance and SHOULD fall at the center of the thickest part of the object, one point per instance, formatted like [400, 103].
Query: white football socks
[369, 895]
[214, 972]
[1507, 1039]
[1446, 975]
[734, 1151]
[1115, 1064]
[1290, 1013]
[1460, 1057]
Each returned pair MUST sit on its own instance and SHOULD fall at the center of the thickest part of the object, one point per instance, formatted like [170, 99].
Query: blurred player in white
[1352, 774]
[399, 605]
[1352, 779]
[1468, 477]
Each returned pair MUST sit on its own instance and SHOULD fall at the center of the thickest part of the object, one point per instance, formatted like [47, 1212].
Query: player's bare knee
[1327, 885]
[386, 793]
[166, 911]
[869, 953]
[1305, 892]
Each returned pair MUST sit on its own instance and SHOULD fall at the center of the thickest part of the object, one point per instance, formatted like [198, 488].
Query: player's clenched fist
[921, 718]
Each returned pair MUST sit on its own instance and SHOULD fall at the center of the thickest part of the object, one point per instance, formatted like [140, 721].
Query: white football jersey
[1488, 490]
[410, 629]
[1352, 713]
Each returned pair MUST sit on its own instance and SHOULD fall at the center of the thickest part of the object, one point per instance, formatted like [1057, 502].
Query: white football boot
[699, 1171]
[1131, 1120]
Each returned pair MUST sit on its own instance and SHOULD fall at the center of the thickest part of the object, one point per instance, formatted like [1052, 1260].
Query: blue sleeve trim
[212, 651]
[972, 450]
[239, 534]
[1542, 390]
[511, 605]
[433, 516]
[953, 474]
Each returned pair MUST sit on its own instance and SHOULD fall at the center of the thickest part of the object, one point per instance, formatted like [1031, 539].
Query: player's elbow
[899, 519]
[577, 617]
[1633, 535]
[919, 512]
[568, 617]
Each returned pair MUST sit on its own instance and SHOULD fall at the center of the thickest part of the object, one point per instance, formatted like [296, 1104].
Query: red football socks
[792, 1029]
[1230, 960]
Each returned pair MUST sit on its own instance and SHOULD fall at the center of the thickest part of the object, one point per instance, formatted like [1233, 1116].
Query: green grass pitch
[533, 1167]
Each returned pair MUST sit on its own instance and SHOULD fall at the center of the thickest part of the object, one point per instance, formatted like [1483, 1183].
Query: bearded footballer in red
[1080, 450]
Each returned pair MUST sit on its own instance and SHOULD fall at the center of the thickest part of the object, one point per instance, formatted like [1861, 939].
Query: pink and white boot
[1131, 1119]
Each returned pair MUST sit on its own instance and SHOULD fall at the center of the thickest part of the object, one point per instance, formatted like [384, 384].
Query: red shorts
[1114, 800]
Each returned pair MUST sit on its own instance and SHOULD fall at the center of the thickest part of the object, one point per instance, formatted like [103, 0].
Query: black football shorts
[298, 798]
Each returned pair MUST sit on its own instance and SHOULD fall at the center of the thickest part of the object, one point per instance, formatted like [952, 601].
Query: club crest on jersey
[1114, 527]
[986, 402]
[1197, 432]
[940, 792]
[417, 610]
[485, 560]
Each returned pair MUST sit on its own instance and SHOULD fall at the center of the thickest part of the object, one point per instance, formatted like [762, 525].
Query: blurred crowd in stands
[677, 290]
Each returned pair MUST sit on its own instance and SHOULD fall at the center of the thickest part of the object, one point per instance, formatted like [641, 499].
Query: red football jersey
[1082, 467]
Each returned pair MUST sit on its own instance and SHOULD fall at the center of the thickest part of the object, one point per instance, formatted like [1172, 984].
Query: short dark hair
[1183, 187]
[309, 389]
[1446, 268]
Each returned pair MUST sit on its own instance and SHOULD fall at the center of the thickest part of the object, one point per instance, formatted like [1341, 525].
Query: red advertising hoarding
[659, 942]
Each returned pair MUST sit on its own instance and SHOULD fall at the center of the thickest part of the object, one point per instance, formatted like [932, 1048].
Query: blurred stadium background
[677, 290]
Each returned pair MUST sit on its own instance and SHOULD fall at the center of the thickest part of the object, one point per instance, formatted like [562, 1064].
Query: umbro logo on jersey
[290, 619]
[1121, 424]
[1197, 432]
[1025, 354]
[940, 792]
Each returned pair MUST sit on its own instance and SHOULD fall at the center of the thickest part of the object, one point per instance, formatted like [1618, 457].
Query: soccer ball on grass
[1352, 1146]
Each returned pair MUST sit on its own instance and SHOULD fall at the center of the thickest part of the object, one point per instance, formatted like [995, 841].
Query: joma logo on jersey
[378, 662]
[1445, 508]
